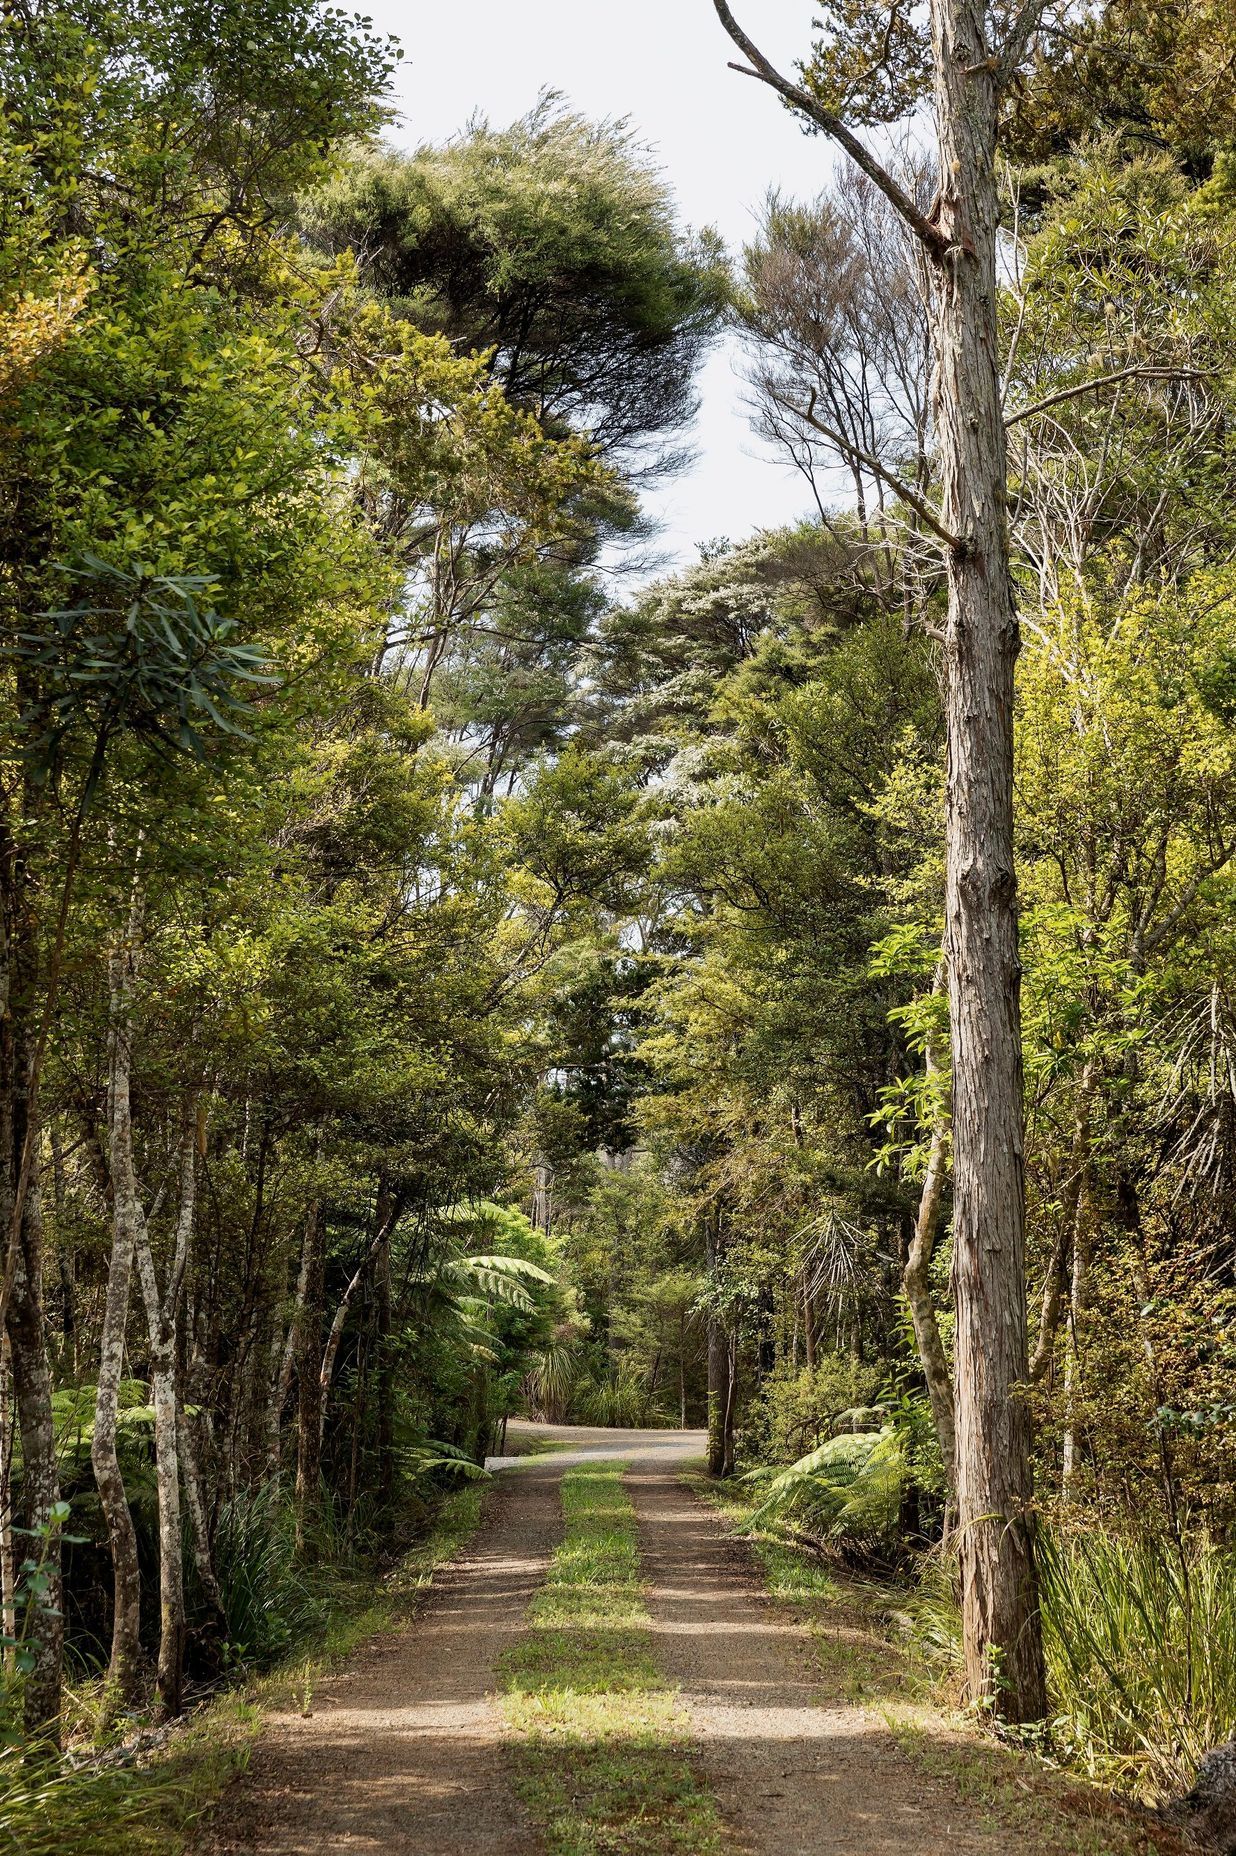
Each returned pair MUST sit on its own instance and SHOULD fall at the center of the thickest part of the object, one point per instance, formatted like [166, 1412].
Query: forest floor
[603, 1670]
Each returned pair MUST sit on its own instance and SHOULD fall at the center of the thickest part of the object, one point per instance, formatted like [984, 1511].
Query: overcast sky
[721, 140]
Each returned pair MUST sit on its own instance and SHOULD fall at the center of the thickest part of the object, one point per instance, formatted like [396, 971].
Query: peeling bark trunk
[1003, 1643]
[162, 1321]
[125, 1667]
[917, 1276]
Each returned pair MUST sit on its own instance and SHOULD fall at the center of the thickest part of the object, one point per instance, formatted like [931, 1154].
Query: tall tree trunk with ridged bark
[973, 58]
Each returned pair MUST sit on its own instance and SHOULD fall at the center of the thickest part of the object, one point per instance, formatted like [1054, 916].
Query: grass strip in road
[1005, 1790]
[603, 1755]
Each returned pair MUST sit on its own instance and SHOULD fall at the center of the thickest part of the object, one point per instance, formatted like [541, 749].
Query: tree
[551, 248]
[870, 69]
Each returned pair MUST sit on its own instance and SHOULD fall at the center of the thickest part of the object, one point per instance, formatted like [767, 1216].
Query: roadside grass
[603, 1764]
[157, 1806]
[1011, 1791]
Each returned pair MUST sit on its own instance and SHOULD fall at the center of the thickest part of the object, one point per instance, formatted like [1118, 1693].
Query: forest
[458, 970]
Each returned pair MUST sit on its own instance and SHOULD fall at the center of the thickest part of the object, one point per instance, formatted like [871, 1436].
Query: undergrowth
[1140, 1641]
[154, 1807]
[603, 1767]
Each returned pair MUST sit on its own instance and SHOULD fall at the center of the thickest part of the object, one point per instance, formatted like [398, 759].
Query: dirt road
[404, 1749]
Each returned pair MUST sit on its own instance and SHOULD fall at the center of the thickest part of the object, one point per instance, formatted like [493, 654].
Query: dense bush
[797, 1409]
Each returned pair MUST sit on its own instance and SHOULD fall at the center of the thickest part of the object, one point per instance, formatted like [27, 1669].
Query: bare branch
[1017, 38]
[909, 496]
[1105, 380]
[759, 67]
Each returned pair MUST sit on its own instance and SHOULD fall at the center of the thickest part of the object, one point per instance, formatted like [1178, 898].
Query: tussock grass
[1141, 1649]
[603, 1761]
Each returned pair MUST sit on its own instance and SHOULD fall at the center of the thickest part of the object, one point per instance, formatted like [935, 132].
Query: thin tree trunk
[308, 1379]
[199, 1522]
[291, 1350]
[731, 1395]
[8, 1563]
[21, 1291]
[32, 1387]
[718, 1355]
[1001, 1627]
[125, 1666]
[917, 1276]
[162, 1320]
[1083, 1228]
[384, 1380]
[331, 1350]
[808, 1325]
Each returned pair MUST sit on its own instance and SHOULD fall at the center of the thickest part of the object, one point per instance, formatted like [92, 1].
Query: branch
[1017, 38]
[802, 101]
[910, 496]
[1106, 380]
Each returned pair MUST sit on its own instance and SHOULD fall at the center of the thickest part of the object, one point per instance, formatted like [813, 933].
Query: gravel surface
[404, 1754]
[795, 1769]
[403, 1751]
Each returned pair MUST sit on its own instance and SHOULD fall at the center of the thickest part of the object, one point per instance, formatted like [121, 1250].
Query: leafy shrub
[1141, 1652]
[795, 1411]
[850, 1488]
[267, 1601]
[622, 1400]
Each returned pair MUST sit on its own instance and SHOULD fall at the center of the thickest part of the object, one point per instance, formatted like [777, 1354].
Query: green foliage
[797, 1409]
[164, 669]
[551, 247]
[850, 1488]
[1141, 1645]
[270, 1602]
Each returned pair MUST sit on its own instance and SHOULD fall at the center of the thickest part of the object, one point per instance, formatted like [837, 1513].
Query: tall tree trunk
[917, 1276]
[1003, 1642]
[125, 1666]
[308, 1378]
[162, 1320]
[1001, 1626]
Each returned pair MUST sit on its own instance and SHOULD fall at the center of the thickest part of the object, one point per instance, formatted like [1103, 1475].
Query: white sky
[721, 139]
